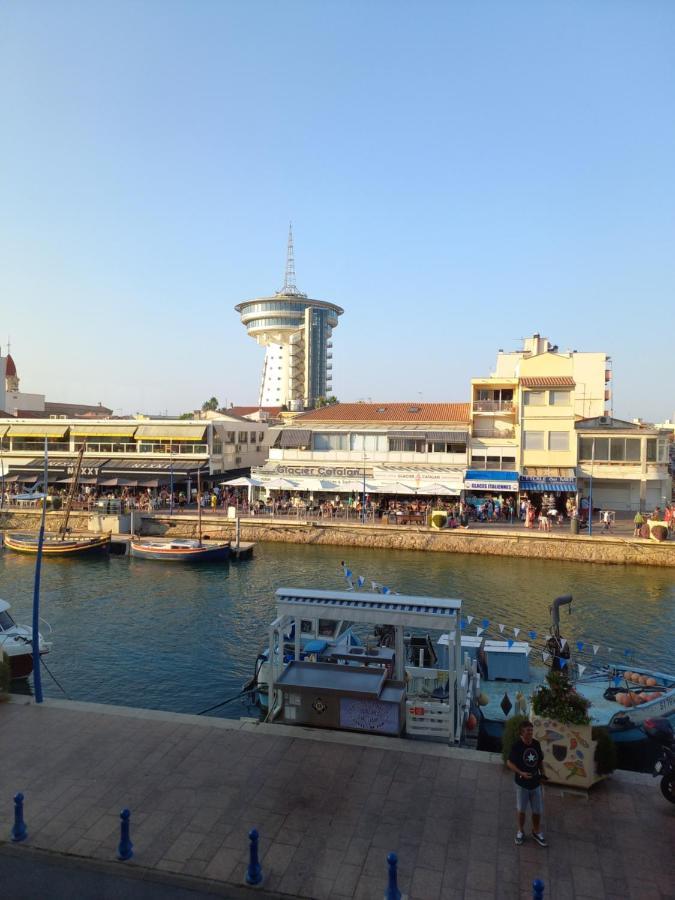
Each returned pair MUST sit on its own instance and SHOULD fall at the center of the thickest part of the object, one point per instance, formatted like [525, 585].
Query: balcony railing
[112, 447]
[506, 433]
[490, 406]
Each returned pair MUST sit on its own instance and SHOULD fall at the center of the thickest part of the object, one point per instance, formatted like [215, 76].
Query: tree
[210, 405]
[325, 401]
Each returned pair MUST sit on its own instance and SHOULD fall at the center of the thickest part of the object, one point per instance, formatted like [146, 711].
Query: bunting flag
[462, 624]
[386, 590]
[485, 623]
[510, 642]
[563, 641]
[596, 647]
[452, 636]
[360, 581]
[532, 634]
[479, 630]
[374, 586]
[610, 649]
[527, 650]
[563, 663]
[348, 573]
[516, 632]
[469, 619]
[582, 669]
[501, 628]
[545, 656]
[616, 680]
[626, 652]
[580, 646]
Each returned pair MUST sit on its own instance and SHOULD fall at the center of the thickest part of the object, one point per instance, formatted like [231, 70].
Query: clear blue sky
[459, 174]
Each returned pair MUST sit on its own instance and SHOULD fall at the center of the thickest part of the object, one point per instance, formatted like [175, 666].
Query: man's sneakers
[539, 838]
[520, 837]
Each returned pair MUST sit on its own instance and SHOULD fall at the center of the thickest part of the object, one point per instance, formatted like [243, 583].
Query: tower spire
[290, 286]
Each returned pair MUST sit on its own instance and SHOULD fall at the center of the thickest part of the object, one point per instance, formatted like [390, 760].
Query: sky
[459, 175]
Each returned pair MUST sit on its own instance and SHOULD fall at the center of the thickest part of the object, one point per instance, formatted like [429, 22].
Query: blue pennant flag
[532, 635]
[386, 590]
[360, 581]
[617, 680]
[510, 642]
[462, 624]
[563, 663]
[485, 623]
[348, 573]
[626, 652]
[580, 646]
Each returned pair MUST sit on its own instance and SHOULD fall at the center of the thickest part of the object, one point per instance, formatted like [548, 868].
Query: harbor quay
[328, 806]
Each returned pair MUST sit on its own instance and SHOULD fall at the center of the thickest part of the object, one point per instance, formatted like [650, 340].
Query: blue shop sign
[487, 480]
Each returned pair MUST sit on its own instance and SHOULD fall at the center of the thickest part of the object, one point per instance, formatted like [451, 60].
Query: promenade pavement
[329, 807]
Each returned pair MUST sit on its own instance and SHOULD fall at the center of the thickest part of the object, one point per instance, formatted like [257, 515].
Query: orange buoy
[651, 682]
[471, 723]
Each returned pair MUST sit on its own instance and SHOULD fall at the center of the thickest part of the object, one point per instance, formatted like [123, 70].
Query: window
[535, 398]
[662, 452]
[407, 445]
[533, 440]
[651, 449]
[229, 437]
[558, 440]
[261, 437]
[632, 450]
[585, 448]
[560, 398]
[601, 449]
[217, 445]
[617, 449]
[243, 437]
[330, 441]
[508, 462]
[367, 442]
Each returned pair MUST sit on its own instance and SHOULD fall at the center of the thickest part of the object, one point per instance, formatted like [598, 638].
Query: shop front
[549, 488]
[498, 488]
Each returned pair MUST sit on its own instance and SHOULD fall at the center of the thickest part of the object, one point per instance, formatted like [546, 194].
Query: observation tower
[296, 332]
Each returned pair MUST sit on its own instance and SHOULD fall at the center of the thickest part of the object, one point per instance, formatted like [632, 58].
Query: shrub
[511, 734]
[605, 752]
[558, 700]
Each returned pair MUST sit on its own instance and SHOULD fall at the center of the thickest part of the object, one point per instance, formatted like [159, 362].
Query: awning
[547, 381]
[548, 485]
[452, 437]
[478, 480]
[103, 429]
[171, 432]
[38, 431]
[3, 430]
[420, 435]
[151, 469]
[296, 438]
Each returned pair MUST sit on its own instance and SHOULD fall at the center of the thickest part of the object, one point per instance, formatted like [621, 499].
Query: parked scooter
[661, 732]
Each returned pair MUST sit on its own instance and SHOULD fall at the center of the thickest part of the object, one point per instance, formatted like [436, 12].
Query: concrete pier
[329, 806]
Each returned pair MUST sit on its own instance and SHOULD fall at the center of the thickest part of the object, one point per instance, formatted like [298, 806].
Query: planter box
[569, 752]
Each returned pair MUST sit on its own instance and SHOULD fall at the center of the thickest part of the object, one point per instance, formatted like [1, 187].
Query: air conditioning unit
[604, 420]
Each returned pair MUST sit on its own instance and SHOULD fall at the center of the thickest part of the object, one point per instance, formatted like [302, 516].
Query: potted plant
[573, 754]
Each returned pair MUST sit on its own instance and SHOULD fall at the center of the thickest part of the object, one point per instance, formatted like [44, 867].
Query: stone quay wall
[547, 545]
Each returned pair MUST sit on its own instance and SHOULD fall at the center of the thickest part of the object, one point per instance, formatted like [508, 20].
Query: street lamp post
[363, 499]
[590, 491]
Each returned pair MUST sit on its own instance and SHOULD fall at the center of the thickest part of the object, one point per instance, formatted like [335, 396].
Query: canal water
[172, 637]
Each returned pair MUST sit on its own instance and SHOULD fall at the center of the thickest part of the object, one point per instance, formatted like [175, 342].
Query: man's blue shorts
[533, 798]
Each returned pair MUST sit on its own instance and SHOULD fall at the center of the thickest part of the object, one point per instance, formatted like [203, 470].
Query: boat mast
[199, 506]
[71, 492]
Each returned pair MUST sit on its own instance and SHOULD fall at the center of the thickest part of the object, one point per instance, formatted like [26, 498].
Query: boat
[622, 698]
[62, 543]
[58, 544]
[318, 671]
[16, 641]
[182, 549]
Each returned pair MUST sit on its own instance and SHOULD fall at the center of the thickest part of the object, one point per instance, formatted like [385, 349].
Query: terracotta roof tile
[548, 381]
[389, 412]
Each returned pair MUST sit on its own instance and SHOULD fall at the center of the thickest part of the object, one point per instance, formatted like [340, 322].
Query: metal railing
[493, 406]
[506, 433]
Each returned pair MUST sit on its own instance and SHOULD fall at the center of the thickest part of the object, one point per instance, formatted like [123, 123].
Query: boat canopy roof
[374, 609]
[4, 606]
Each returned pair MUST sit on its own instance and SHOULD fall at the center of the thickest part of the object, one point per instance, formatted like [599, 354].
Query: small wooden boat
[180, 551]
[58, 545]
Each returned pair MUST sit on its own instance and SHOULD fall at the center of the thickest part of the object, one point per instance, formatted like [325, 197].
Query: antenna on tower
[290, 286]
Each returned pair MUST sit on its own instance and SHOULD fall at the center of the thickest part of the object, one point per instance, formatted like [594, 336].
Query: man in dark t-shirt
[526, 761]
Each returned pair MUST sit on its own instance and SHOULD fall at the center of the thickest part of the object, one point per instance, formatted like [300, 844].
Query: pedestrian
[526, 761]
[638, 522]
[606, 520]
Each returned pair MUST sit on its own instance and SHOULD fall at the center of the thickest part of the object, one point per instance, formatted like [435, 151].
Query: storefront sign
[472, 485]
[315, 471]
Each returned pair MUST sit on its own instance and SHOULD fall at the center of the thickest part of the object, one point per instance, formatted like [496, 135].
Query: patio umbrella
[356, 487]
[437, 490]
[244, 481]
[281, 484]
[396, 487]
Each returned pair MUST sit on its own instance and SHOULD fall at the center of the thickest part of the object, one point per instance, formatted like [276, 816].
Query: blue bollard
[19, 830]
[126, 848]
[254, 871]
[392, 892]
[537, 889]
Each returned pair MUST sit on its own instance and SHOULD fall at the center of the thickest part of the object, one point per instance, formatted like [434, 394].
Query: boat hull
[162, 553]
[21, 665]
[54, 546]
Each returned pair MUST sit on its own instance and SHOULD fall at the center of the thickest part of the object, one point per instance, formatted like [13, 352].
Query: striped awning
[103, 429]
[170, 432]
[548, 485]
[296, 437]
[420, 435]
[38, 431]
[452, 437]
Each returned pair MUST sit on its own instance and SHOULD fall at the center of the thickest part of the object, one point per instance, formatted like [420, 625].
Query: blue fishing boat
[180, 550]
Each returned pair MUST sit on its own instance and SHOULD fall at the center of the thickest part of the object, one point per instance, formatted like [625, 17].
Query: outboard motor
[660, 731]
[554, 644]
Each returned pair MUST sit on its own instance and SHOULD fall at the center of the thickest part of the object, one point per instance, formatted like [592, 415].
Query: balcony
[493, 406]
[507, 434]
[103, 448]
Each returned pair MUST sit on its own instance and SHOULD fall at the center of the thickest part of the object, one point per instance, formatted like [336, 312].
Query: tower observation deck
[296, 332]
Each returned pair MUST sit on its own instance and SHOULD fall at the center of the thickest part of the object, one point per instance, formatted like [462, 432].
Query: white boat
[16, 641]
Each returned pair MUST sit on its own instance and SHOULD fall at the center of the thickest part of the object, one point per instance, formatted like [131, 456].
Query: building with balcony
[414, 448]
[147, 453]
[623, 465]
[296, 333]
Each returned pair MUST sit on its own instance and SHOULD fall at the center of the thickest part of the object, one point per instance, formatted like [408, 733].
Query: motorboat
[62, 545]
[180, 550]
[16, 641]
[622, 698]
